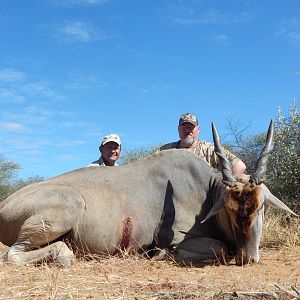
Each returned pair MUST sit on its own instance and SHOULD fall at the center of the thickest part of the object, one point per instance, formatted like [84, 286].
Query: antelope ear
[271, 200]
[215, 210]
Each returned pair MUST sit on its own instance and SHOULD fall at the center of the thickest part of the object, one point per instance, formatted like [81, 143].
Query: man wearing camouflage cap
[188, 129]
[110, 149]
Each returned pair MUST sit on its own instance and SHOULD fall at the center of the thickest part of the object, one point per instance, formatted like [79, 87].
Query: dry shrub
[281, 230]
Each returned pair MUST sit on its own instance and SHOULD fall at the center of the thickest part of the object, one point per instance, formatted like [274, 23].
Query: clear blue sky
[72, 71]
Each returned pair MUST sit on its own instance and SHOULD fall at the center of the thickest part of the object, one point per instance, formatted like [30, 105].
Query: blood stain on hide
[126, 233]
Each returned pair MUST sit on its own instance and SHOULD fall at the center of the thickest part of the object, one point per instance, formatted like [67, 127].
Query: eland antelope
[171, 200]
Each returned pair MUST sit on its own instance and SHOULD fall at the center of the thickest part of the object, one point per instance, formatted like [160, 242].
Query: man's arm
[237, 165]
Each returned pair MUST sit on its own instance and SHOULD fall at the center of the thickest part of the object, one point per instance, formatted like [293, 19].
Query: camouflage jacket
[204, 150]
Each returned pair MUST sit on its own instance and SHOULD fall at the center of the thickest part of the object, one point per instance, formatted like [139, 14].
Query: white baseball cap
[111, 138]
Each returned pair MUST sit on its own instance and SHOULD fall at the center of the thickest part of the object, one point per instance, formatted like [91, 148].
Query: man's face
[188, 133]
[110, 151]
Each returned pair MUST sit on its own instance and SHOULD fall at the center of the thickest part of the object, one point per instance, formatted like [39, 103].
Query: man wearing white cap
[110, 149]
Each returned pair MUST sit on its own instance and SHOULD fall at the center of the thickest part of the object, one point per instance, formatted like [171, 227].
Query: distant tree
[136, 154]
[19, 183]
[8, 170]
[246, 147]
[8, 183]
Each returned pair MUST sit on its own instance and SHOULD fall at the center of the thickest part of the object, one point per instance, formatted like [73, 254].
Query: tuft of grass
[281, 230]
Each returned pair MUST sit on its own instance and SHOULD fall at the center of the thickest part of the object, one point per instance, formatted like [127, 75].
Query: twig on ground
[296, 295]
[267, 294]
[297, 292]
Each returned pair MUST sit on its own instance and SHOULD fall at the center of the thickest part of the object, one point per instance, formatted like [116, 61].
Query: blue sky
[72, 71]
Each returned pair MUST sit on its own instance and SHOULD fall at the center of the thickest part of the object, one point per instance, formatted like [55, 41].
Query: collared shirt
[204, 150]
[100, 163]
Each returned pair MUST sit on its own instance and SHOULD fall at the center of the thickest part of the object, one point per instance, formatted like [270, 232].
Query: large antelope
[171, 200]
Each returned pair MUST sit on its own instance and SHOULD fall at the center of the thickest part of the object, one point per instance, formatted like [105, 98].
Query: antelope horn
[228, 178]
[259, 175]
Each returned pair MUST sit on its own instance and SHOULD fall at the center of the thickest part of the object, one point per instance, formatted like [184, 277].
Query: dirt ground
[277, 276]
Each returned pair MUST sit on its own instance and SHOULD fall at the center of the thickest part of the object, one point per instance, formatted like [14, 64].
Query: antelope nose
[252, 260]
[244, 260]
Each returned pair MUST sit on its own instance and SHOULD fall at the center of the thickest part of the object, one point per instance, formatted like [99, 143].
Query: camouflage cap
[188, 118]
[111, 138]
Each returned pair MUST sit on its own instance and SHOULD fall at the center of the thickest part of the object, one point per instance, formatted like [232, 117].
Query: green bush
[283, 175]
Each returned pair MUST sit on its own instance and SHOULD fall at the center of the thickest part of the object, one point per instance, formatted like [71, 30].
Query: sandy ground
[277, 276]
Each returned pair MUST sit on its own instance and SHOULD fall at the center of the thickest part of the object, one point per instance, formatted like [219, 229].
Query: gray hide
[104, 209]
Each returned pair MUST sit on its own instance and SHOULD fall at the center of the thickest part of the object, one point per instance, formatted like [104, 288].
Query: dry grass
[138, 278]
[277, 276]
[281, 231]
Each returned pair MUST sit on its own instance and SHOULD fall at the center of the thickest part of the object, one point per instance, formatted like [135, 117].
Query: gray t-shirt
[100, 163]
